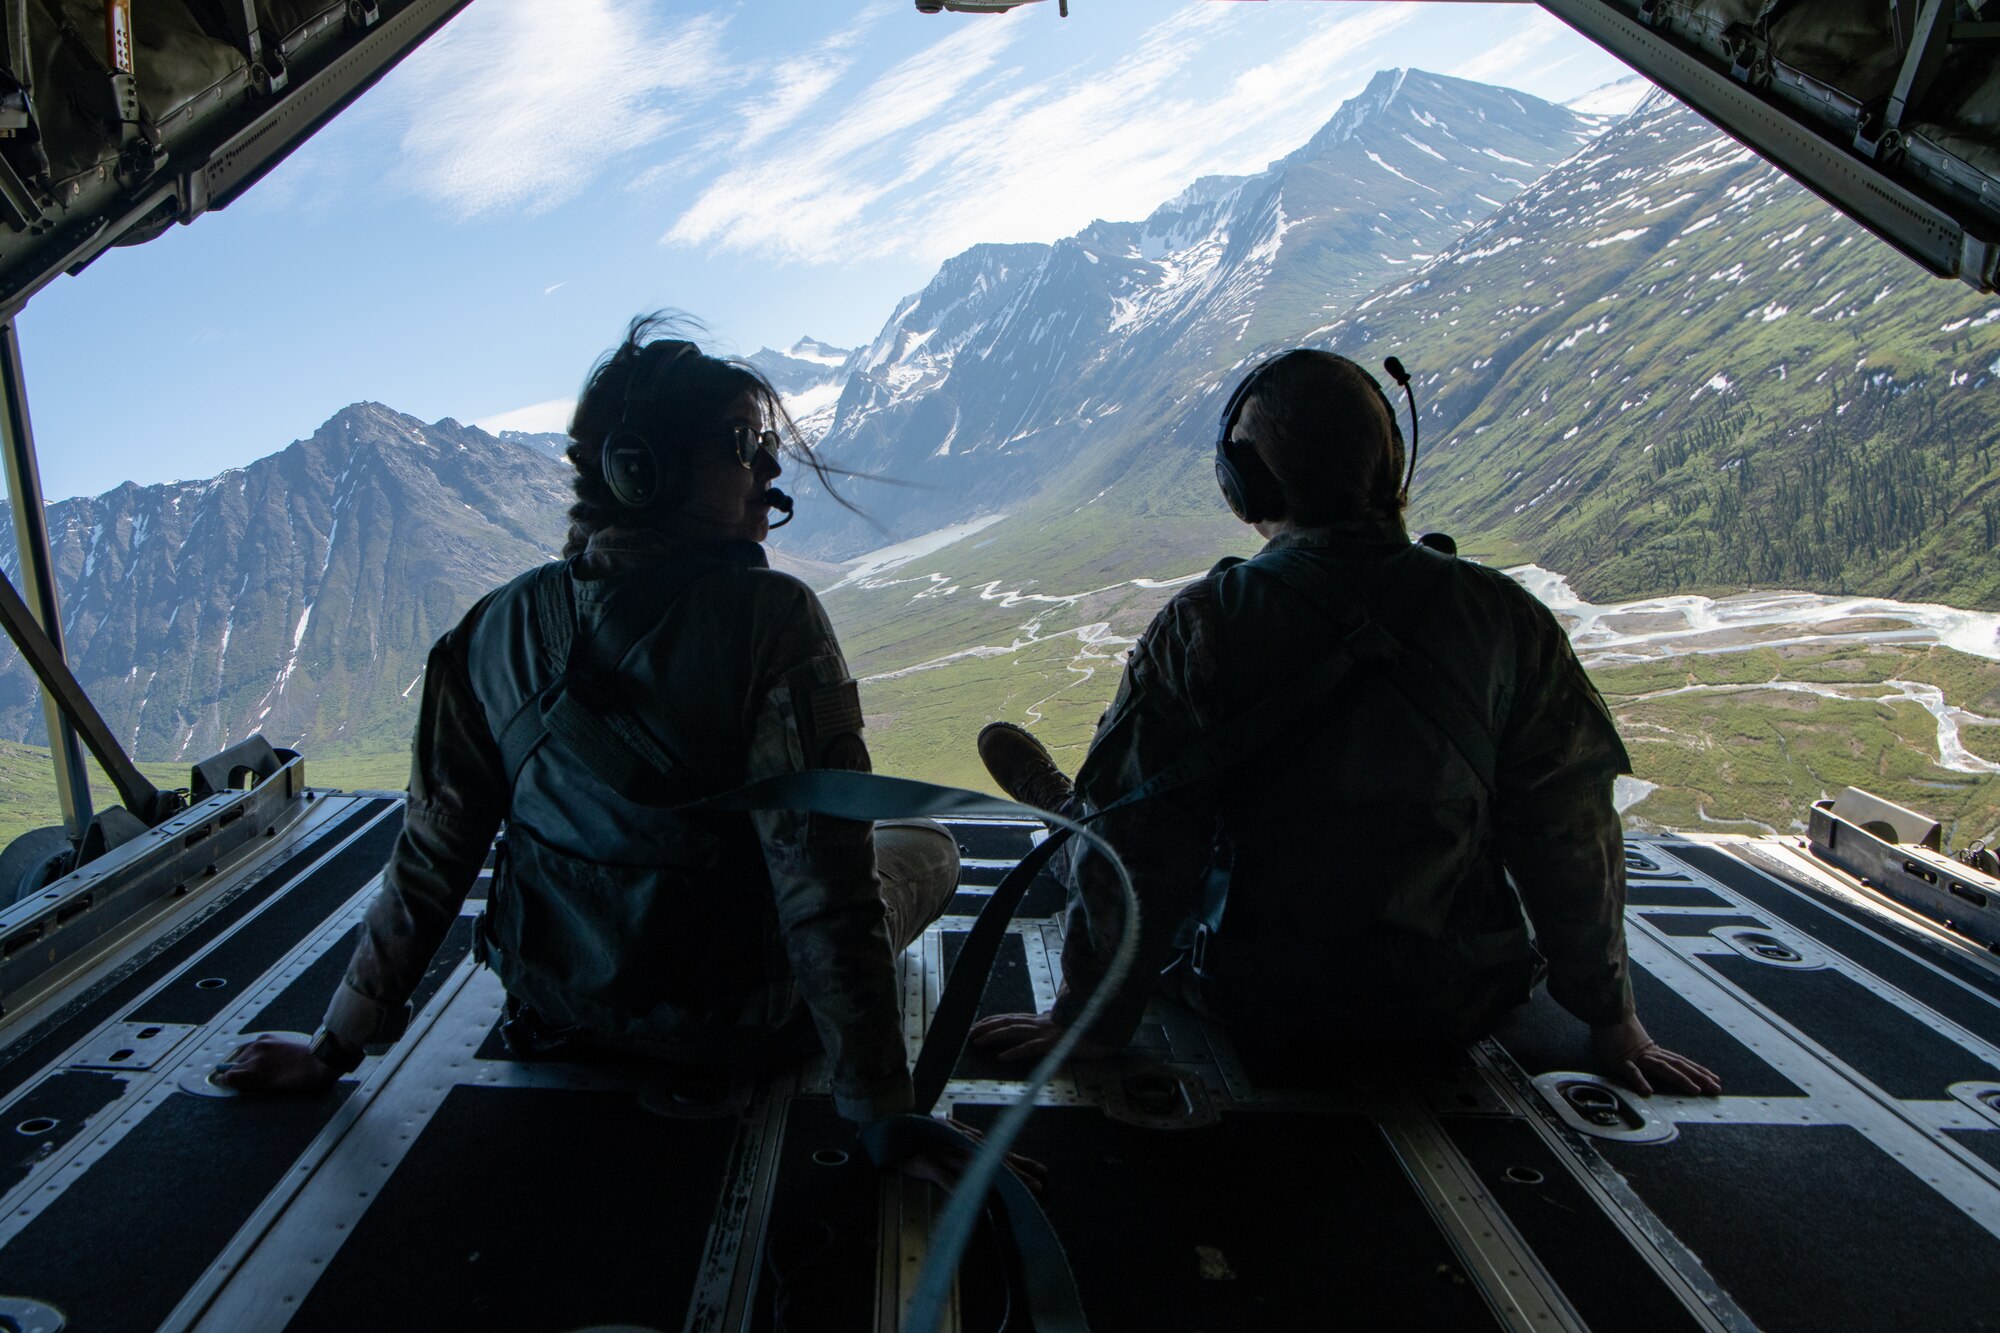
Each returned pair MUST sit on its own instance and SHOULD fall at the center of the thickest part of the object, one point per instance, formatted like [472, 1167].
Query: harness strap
[1050, 1286]
[555, 608]
[1413, 676]
[866, 796]
[577, 706]
[522, 733]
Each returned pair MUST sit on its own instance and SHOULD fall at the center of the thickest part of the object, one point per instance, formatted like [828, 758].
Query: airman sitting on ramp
[1433, 774]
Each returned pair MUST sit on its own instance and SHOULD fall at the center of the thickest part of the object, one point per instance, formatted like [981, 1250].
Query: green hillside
[1727, 746]
[1733, 751]
[1668, 368]
[1663, 368]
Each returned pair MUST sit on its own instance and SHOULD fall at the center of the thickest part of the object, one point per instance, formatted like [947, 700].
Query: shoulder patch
[826, 708]
[833, 710]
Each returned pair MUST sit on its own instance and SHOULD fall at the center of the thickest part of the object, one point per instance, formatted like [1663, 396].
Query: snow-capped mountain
[1620, 97]
[1668, 365]
[297, 596]
[1017, 359]
[808, 375]
[1643, 357]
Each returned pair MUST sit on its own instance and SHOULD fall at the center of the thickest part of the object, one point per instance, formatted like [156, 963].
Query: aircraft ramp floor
[1849, 1178]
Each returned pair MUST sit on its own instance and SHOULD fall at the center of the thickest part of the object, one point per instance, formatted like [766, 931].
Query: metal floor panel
[121, 1156]
[448, 1185]
[1848, 1098]
[47, 1025]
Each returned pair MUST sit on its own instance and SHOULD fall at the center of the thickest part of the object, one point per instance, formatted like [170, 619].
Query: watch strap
[335, 1052]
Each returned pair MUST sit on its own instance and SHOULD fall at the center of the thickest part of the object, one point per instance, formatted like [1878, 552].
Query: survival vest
[1357, 889]
[615, 914]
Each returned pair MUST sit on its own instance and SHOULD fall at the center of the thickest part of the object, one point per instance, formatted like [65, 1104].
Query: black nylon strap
[1050, 1287]
[579, 723]
[868, 796]
[555, 607]
[1412, 676]
[522, 734]
[958, 1007]
[574, 705]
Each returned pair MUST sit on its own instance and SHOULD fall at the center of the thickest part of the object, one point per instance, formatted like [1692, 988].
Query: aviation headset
[634, 470]
[1249, 486]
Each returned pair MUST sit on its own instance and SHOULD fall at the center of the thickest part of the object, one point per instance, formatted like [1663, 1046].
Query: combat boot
[1023, 766]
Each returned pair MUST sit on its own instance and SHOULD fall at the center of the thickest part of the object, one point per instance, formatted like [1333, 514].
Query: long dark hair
[699, 388]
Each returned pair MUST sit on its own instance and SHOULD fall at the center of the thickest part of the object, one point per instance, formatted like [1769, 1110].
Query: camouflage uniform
[1367, 862]
[740, 680]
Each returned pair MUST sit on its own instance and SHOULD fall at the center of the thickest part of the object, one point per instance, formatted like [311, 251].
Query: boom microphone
[781, 502]
[1402, 377]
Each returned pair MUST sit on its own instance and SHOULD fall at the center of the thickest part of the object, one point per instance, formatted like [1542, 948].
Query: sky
[480, 226]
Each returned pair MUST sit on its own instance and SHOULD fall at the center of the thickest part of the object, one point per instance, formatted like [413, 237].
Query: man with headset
[1430, 761]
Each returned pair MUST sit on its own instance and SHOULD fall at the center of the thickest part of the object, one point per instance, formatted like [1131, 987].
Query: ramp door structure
[1848, 1178]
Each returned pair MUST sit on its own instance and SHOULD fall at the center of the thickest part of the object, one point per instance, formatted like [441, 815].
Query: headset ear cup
[632, 469]
[1232, 489]
[1248, 487]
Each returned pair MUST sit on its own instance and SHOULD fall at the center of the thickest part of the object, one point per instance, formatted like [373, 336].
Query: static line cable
[872, 796]
[932, 1297]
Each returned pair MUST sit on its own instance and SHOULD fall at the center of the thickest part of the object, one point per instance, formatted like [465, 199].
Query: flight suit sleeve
[829, 902]
[1158, 716]
[1560, 835]
[457, 800]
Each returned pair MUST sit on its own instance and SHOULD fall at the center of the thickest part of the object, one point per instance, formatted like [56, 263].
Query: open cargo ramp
[1850, 1177]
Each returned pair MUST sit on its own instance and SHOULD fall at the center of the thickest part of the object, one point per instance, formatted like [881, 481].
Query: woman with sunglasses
[616, 922]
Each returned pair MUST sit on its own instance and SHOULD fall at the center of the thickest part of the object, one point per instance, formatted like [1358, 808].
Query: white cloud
[1516, 54]
[553, 415]
[801, 201]
[953, 146]
[520, 105]
[800, 83]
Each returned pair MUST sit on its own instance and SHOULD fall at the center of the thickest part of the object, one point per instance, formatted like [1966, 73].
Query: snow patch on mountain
[1017, 362]
[1618, 98]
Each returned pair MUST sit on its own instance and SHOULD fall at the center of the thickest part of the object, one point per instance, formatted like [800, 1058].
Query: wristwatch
[336, 1052]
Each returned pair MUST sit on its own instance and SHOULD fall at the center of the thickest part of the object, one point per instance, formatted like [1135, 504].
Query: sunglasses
[749, 443]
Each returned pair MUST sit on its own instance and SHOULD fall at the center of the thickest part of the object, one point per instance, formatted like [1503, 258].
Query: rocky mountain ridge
[1668, 366]
[298, 595]
[1017, 360]
[808, 375]
[1612, 362]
